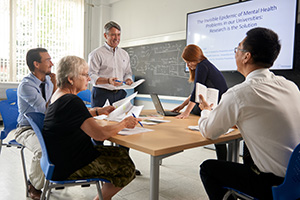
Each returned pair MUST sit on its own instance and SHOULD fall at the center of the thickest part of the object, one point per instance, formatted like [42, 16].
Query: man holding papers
[109, 66]
[266, 110]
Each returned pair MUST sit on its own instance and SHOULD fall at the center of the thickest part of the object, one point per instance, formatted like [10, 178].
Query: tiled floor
[179, 178]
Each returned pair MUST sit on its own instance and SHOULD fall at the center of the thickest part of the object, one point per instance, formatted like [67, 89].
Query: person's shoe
[137, 172]
[33, 193]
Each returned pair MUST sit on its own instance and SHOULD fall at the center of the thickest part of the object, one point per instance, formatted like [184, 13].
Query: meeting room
[159, 100]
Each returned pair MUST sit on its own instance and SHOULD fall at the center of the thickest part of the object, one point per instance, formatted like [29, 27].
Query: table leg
[155, 162]
[154, 178]
[233, 150]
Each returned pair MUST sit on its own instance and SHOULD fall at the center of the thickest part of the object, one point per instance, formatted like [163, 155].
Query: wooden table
[171, 138]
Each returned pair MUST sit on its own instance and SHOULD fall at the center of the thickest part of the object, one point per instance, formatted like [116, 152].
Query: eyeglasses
[86, 75]
[238, 49]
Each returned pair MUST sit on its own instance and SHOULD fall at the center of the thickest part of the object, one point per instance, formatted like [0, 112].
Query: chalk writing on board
[162, 67]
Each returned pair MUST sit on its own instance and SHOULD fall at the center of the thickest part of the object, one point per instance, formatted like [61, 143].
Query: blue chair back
[9, 112]
[11, 94]
[290, 188]
[36, 121]
[85, 95]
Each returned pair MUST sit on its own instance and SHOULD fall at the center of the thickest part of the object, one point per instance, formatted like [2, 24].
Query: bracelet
[97, 112]
[108, 81]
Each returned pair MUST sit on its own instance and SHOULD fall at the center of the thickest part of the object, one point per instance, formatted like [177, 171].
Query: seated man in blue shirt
[34, 93]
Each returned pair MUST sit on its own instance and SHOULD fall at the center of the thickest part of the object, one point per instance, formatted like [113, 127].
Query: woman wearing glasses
[69, 127]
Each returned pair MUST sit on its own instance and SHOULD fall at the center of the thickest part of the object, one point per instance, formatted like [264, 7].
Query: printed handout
[124, 86]
[211, 95]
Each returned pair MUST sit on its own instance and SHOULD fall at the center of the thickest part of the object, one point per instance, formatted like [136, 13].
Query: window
[57, 25]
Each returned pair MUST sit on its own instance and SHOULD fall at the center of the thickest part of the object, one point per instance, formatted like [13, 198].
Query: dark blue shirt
[207, 74]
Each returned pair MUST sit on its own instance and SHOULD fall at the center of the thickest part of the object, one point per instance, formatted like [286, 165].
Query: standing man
[266, 110]
[109, 65]
[34, 93]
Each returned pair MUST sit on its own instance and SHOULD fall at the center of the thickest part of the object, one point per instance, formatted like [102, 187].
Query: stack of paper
[124, 109]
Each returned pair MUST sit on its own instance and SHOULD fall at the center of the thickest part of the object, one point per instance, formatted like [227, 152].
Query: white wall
[145, 21]
[161, 20]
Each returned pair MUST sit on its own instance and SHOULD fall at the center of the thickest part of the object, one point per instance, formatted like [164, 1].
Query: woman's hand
[178, 108]
[130, 122]
[105, 110]
[183, 115]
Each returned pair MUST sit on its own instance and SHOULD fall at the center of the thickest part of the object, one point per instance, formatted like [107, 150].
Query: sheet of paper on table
[196, 128]
[151, 121]
[135, 130]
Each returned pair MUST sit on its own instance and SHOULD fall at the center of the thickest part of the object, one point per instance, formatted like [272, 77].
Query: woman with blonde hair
[69, 127]
[204, 72]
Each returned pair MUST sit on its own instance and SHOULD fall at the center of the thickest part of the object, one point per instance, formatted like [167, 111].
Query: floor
[179, 177]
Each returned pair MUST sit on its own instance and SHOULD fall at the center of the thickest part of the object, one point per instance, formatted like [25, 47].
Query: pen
[138, 121]
[120, 81]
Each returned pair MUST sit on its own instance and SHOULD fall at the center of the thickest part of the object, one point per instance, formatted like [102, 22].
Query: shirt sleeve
[128, 72]
[214, 123]
[201, 74]
[31, 95]
[94, 62]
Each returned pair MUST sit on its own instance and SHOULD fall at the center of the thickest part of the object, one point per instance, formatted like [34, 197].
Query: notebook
[159, 108]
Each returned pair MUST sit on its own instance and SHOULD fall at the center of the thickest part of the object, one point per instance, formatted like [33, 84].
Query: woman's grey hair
[69, 66]
[110, 25]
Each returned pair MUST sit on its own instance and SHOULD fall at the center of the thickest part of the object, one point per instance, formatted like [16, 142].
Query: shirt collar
[38, 81]
[109, 47]
[263, 72]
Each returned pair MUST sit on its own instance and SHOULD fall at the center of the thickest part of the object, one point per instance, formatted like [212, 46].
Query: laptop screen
[157, 104]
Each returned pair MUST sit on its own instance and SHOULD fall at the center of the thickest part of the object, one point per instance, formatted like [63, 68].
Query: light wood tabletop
[169, 137]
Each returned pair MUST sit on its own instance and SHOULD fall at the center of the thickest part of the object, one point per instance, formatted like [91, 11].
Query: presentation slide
[218, 31]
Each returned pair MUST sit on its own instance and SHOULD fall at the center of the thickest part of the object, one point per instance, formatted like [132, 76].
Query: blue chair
[9, 113]
[86, 95]
[290, 188]
[36, 121]
[11, 94]
[236, 194]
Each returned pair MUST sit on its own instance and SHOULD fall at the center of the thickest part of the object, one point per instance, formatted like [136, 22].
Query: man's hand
[53, 80]
[203, 105]
[113, 81]
[128, 81]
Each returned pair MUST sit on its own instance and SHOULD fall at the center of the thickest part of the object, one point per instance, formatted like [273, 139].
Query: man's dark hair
[110, 25]
[34, 55]
[264, 46]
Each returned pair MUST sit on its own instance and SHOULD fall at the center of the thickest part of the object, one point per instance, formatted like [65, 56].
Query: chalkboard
[162, 67]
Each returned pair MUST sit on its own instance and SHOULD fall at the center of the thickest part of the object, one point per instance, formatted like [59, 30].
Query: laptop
[159, 108]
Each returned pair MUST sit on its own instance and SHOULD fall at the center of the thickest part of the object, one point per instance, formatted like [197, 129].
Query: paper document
[211, 95]
[196, 128]
[135, 130]
[150, 121]
[124, 86]
[124, 109]
[193, 128]
[124, 101]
